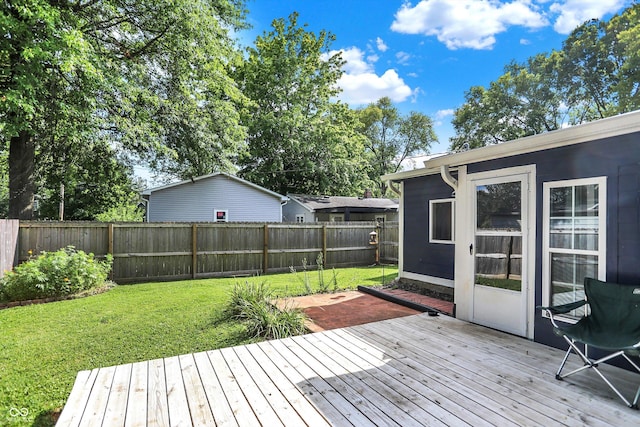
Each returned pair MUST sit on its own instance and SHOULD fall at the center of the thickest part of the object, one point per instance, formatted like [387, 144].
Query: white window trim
[601, 253]
[300, 218]
[453, 221]
[215, 215]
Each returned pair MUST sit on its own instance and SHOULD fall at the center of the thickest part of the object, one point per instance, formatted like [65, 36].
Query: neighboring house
[508, 227]
[304, 208]
[217, 197]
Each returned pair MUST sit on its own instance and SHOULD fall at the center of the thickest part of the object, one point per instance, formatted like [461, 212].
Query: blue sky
[425, 54]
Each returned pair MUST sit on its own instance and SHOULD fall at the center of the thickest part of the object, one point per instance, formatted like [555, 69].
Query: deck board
[411, 371]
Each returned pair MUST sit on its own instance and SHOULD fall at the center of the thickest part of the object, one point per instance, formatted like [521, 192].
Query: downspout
[446, 177]
[393, 187]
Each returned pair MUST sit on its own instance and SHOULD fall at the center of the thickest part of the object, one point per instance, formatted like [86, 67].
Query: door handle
[471, 249]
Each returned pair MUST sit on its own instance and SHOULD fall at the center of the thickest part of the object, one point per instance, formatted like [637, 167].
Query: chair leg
[564, 361]
[588, 363]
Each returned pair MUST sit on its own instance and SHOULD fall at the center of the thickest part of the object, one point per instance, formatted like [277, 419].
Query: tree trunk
[21, 167]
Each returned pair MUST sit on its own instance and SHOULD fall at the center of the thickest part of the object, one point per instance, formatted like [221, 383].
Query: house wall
[421, 257]
[292, 209]
[617, 158]
[196, 201]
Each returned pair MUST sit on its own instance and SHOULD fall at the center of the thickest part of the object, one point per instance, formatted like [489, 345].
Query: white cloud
[403, 57]
[361, 85]
[466, 23]
[441, 114]
[382, 47]
[525, 42]
[369, 87]
[355, 63]
[574, 12]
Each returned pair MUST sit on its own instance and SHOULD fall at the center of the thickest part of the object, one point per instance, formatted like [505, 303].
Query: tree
[589, 72]
[525, 100]
[77, 74]
[595, 75]
[391, 138]
[94, 182]
[625, 29]
[299, 140]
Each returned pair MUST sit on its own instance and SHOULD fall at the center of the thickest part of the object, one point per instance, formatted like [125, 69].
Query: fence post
[194, 250]
[324, 244]
[265, 250]
[110, 247]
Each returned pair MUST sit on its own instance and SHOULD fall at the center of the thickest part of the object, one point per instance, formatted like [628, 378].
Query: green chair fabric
[614, 319]
[612, 324]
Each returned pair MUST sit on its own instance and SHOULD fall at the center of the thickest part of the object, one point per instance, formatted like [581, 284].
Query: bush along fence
[172, 251]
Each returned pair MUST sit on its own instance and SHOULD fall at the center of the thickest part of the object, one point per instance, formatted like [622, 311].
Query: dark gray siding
[420, 256]
[618, 159]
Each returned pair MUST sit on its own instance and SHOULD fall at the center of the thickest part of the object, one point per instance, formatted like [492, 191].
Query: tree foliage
[299, 139]
[149, 77]
[391, 138]
[594, 75]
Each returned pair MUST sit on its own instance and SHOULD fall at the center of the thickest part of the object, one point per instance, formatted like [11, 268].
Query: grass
[509, 284]
[44, 346]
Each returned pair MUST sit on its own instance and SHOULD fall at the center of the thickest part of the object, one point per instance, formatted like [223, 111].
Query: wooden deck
[411, 371]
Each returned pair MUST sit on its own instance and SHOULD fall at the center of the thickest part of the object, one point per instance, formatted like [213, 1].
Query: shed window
[299, 218]
[574, 239]
[441, 222]
[220, 215]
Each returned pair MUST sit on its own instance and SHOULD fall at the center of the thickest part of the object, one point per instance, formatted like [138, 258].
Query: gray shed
[218, 197]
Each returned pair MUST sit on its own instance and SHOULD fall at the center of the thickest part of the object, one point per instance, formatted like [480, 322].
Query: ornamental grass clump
[54, 274]
[252, 304]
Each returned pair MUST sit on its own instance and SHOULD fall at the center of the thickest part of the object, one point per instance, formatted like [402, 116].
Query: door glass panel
[499, 207]
[498, 242]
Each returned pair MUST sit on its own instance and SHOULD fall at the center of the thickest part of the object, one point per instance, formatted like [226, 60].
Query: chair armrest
[564, 308]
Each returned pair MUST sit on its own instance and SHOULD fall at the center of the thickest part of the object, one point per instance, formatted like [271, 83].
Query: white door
[500, 251]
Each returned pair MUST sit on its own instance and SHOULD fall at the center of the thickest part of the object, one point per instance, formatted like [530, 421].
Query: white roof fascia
[605, 128]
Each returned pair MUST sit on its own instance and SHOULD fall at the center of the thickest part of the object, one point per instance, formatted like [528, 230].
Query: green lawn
[42, 347]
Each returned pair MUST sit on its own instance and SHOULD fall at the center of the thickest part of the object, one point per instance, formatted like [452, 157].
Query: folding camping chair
[612, 324]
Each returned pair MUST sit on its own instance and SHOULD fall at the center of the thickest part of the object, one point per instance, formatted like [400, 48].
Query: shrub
[252, 304]
[244, 295]
[54, 274]
[263, 319]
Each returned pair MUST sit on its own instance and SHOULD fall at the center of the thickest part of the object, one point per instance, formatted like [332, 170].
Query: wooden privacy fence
[172, 251]
[499, 257]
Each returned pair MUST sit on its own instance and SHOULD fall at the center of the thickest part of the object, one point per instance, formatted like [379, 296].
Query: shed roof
[605, 128]
[214, 175]
[318, 203]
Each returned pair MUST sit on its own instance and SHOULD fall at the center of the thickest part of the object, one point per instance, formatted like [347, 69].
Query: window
[220, 215]
[299, 218]
[574, 239]
[441, 221]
